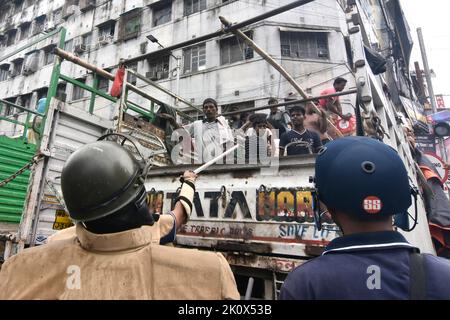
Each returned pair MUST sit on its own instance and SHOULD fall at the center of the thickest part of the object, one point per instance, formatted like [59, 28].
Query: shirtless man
[317, 122]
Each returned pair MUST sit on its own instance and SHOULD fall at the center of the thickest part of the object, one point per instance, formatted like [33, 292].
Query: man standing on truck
[210, 135]
[116, 253]
[33, 134]
[258, 139]
[333, 105]
[316, 121]
[299, 140]
[278, 119]
[363, 183]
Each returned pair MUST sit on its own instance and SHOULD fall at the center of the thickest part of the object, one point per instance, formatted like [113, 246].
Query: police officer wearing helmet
[87, 206]
[116, 252]
[363, 183]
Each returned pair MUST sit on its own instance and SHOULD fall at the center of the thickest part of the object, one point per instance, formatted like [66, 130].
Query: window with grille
[9, 110]
[68, 46]
[49, 57]
[194, 58]
[107, 30]
[103, 83]
[18, 6]
[57, 15]
[3, 41]
[159, 68]
[61, 92]
[193, 6]
[78, 92]
[26, 101]
[24, 31]
[130, 25]
[4, 72]
[309, 45]
[17, 69]
[131, 78]
[86, 39]
[162, 13]
[11, 37]
[39, 23]
[234, 49]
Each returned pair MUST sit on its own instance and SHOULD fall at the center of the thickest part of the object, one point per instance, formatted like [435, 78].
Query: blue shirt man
[41, 105]
[299, 140]
[363, 182]
[365, 266]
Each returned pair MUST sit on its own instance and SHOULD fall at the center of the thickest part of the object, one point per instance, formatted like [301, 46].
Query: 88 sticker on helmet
[362, 176]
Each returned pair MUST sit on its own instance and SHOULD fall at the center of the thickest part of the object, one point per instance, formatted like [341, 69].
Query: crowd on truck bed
[296, 130]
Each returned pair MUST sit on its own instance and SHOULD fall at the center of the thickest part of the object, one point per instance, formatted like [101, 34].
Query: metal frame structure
[52, 87]
[124, 102]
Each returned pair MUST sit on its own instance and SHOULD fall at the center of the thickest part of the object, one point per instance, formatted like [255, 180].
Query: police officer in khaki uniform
[117, 251]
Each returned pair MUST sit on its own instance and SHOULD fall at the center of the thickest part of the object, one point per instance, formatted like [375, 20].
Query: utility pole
[426, 68]
[422, 95]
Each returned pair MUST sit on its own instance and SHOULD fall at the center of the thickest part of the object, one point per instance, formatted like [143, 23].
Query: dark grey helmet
[99, 179]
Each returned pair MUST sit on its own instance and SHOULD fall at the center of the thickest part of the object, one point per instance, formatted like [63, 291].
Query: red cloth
[116, 89]
[323, 102]
[346, 127]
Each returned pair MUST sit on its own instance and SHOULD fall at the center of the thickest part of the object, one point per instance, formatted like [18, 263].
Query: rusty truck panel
[237, 208]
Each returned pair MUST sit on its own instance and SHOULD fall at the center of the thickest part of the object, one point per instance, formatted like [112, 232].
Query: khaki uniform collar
[120, 241]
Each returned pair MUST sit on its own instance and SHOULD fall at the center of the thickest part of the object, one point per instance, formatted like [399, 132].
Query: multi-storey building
[308, 41]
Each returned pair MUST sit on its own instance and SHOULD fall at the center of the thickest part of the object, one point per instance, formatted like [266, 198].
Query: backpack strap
[417, 277]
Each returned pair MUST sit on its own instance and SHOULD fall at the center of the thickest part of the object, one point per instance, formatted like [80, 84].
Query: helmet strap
[134, 215]
[142, 210]
[316, 210]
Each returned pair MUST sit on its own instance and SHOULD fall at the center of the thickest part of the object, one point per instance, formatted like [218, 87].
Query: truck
[259, 217]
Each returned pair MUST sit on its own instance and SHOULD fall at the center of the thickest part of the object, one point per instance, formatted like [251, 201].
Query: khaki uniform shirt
[123, 265]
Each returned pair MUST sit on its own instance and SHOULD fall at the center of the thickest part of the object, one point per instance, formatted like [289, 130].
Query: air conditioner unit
[80, 48]
[152, 75]
[86, 5]
[57, 22]
[26, 71]
[68, 11]
[104, 40]
[11, 70]
[30, 64]
[49, 26]
[323, 53]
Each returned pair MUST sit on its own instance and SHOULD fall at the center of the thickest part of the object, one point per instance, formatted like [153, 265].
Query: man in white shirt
[210, 135]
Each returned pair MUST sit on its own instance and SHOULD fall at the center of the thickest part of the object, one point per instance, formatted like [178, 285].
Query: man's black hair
[272, 101]
[297, 109]
[339, 80]
[258, 118]
[210, 100]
